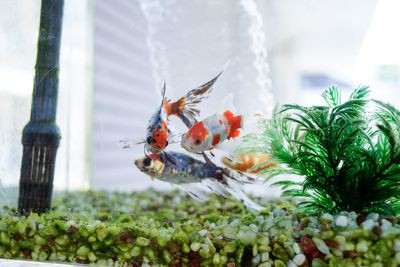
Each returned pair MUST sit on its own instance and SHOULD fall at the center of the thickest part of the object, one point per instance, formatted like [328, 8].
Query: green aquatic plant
[348, 153]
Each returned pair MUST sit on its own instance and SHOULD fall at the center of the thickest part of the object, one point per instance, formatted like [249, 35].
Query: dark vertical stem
[41, 136]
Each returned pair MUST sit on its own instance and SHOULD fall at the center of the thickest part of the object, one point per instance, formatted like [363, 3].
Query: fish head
[196, 139]
[151, 166]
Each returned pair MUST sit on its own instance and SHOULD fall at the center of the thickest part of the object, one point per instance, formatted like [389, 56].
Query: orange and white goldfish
[247, 163]
[210, 132]
[158, 134]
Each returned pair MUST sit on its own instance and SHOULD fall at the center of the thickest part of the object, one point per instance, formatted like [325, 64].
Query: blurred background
[115, 55]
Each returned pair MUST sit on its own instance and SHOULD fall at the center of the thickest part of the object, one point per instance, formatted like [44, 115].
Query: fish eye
[149, 140]
[147, 162]
[166, 143]
[197, 141]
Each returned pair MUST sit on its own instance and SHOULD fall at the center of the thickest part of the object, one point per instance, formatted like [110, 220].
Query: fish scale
[185, 169]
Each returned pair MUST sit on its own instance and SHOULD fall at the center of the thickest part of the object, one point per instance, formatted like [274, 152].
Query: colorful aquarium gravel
[169, 229]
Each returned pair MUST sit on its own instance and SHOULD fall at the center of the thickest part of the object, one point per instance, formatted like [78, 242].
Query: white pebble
[195, 246]
[373, 216]
[264, 256]
[246, 238]
[299, 259]
[253, 228]
[320, 244]
[397, 257]
[341, 221]
[203, 232]
[397, 245]
[291, 264]
[327, 217]
[368, 224]
[296, 248]
[362, 246]
[386, 226]
[260, 219]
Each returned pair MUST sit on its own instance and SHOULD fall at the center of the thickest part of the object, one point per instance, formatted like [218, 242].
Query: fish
[250, 163]
[186, 170]
[210, 132]
[158, 133]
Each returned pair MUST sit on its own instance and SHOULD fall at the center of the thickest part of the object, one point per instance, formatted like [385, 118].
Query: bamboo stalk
[41, 136]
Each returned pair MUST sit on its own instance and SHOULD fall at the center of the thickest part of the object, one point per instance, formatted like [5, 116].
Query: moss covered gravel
[170, 229]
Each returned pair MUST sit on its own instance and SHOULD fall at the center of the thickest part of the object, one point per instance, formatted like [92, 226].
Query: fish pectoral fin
[212, 153]
[174, 137]
[131, 143]
[196, 191]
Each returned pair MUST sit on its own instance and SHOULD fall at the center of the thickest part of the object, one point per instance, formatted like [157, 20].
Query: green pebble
[82, 251]
[230, 232]
[167, 256]
[42, 256]
[185, 248]
[92, 257]
[101, 232]
[282, 238]
[180, 237]
[21, 227]
[142, 241]
[92, 239]
[279, 263]
[223, 259]
[204, 252]
[255, 250]
[5, 239]
[279, 252]
[61, 256]
[230, 247]
[317, 262]
[216, 259]
[62, 240]
[135, 252]
[263, 248]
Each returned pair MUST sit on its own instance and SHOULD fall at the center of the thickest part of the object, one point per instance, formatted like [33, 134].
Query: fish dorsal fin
[227, 103]
[163, 90]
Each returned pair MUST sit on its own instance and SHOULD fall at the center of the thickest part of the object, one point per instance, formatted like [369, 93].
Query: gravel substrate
[170, 229]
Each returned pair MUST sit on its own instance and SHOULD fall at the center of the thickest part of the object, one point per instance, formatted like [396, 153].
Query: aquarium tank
[199, 133]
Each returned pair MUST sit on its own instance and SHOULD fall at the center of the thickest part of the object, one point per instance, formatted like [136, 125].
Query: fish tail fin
[233, 186]
[239, 122]
[235, 122]
[185, 109]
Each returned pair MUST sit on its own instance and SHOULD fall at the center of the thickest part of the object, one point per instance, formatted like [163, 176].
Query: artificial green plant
[348, 153]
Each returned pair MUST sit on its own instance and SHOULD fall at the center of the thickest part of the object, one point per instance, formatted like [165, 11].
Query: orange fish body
[246, 163]
[212, 131]
[158, 134]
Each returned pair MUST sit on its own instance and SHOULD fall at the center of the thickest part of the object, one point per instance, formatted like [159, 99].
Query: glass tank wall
[116, 54]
